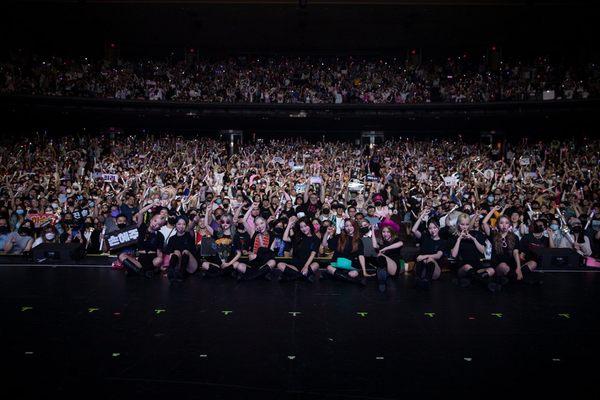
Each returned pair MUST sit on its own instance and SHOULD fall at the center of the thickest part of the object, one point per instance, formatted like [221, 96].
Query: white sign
[488, 174]
[524, 161]
[278, 160]
[356, 186]
[123, 237]
[316, 180]
[298, 168]
[450, 180]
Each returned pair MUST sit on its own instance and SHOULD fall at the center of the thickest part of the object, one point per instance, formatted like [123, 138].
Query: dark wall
[81, 28]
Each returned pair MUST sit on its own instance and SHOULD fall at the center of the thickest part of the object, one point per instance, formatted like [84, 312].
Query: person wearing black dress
[149, 249]
[432, 252]
[505, 248]
[261, 259]
[182, 251]
[388, 256]
[347, 245]
[305, 246]
[468, 248]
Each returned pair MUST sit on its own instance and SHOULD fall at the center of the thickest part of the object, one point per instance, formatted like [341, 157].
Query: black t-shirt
[347, 251]
[505, 252]
[394, 253]
[149, 241]
[530, 245]
[241, 241]
[468, 251]
[303, 246]
[181, 243]
[430, 246]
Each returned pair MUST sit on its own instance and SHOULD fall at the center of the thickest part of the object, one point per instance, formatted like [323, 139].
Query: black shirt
[303, 246]
[394, 253]
[181, 243]
[530, 245]
[149, 241]
[430, 246]
[505, 252]
[467, 251]
[347, 251]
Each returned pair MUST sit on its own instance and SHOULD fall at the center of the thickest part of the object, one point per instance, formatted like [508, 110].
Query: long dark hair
[344, 237]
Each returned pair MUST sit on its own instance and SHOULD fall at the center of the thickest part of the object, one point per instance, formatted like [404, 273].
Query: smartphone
[74, 232]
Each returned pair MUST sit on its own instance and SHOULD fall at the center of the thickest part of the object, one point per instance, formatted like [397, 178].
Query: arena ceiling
[160, 27]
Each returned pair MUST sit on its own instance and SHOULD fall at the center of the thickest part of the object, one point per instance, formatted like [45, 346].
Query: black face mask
[577, 229]
[240, 227]
[538, 229]
[171, 220]
[225, 205]
[122, 225]
[326, 211]
[89, 225]
[377, 204]
[364, 230]
[24, 231]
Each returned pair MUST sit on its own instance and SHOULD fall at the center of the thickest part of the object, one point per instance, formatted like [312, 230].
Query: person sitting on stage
[261, 259]
[431, 251]
[228, 248]
[182, 251]
[348, 254]
[530, 247]
[505, 249]
[149, 248]
[388, 256]
[305, 246]
[467, 249]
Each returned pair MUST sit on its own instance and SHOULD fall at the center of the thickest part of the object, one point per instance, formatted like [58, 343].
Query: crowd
[276, 208]
[281, 79]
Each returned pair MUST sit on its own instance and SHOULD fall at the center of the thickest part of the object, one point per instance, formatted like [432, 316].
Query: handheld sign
[122, 238]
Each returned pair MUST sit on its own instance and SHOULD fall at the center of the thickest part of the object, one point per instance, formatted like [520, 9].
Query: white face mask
[50, 236]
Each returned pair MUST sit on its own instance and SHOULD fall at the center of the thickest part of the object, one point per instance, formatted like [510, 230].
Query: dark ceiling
[157, 28]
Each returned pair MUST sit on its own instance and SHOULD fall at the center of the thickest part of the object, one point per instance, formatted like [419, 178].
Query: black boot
[185, 260]
[131, 268]
[173, 265]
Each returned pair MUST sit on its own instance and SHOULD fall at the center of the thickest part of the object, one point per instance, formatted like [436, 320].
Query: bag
[342, 263]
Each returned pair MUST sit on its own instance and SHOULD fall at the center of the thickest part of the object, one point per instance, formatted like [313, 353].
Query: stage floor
[92, 332]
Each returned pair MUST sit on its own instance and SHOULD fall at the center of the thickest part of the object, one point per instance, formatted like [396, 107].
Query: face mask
[121, 225]
[577, 229]
[218, 201]
[171, 220]
[538, 229]
[278, 231]
[364, 230]
[225, 205]
[24, 232]
[554, 227]
[20, 212]
[240, 227]
[377, 204]
[89, 224]
[114, 213]
[49, 236]
[490, 199]
[3, 230]
[326, 211]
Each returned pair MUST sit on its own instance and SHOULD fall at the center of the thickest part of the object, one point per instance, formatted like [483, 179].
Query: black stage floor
[90, 332]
